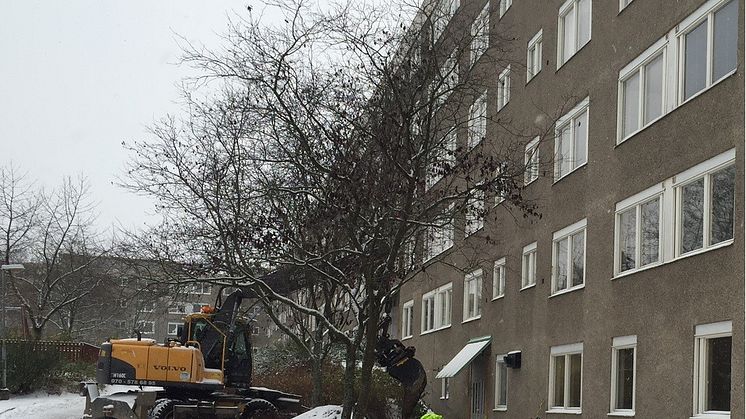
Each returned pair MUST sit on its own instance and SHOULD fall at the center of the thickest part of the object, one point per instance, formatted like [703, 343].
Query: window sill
[471, 319]
[680, 257]
[500, 409]
[525, 184]
[720, 80]
[711, 416]
[499, 297]
[562, 64]
[471, 233]
[570, 172]
[527, 287]
[427, 332]
[444, 398]
[407, 338]
[634, 134]
[565, 411]
[528, 79]
[621, 414]
[567, 291]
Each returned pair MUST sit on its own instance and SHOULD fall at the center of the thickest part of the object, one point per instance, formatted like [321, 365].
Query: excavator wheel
[162, 409]
[260, 409]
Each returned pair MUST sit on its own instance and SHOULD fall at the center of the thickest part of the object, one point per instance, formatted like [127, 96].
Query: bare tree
[339, 144]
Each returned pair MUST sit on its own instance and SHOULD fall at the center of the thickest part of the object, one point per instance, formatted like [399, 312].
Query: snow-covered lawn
[322, 412]
[42, 405]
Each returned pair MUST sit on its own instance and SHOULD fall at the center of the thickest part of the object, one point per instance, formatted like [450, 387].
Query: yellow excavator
[203, 373]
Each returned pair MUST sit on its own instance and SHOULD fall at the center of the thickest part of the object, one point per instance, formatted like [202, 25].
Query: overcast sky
[81, 76]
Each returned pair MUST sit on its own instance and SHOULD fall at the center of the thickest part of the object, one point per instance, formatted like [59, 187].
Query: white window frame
[176, 306]
[705, 12]
[702, 334]
[407, 329]
[672, 46]
[568, 120]
[701, 171]
[478, 277]
[480, 35]
[436, 295]
[531, 161]
[175, 331]
[623, 4]
[504, 6]
[528, 266]
[636, 202]
[563, 351]
[474, 214]
[449, 78]
[445, 391]
[534, 56]
[503, 88]
[637, 67]
[619, 343]
[442, 14]
[498, 279]
[120, 324]
[500, 359]
[141, 323]
[567, 233]
[444, 155]
[669, 223]
[571, 6]
[438, 239]
[477, 123]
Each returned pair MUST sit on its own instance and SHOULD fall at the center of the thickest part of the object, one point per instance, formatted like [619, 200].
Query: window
[473, 295]
[498, 279]
[705, 209]
[568, 260]
[474, 217]
[503, 88]
[533, 59]
[442, 14]
[147, 307]
[197, 307]
[504, 6]
[448, 79]
[501, 383]
[528, 266]
[406, 319]
[436, 309]
[643, 94]
[709, 48]
[638, 227]
[444, 389]
[684, 215]
[565, 378]
[571, 141]
[122, 303]
[177, 308]
[146, 327]
[712, 369]
[623, 360]
[574, 29]
[120, 324]
[443, 161]
[689, 59]
[173, 329]
[480, 37]
[502, 185]
[623, 4]
[438, 239]
[201, 288]
[531, 159]
[478, 120]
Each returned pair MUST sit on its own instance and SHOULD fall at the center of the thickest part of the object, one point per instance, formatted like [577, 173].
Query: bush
[32, 370]
[283, 368]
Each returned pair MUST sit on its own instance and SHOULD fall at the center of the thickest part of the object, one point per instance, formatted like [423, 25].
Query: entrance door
[477, 388]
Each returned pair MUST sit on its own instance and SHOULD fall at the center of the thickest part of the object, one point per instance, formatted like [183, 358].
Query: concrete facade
[661, 305]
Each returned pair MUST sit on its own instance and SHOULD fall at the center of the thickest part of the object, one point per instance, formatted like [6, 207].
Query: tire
[260, 409]
[162, 409]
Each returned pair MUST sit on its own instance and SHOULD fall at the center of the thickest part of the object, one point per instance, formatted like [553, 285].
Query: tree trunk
[349, 382]
[369, 358]
[317, 377]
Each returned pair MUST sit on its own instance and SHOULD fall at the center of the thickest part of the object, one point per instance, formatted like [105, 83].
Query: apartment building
[626, 298]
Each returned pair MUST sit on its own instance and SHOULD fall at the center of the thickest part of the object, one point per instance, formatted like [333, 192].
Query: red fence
[71, 351]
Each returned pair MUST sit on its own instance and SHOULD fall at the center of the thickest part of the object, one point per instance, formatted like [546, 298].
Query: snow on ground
[45, 406]
[322, 412]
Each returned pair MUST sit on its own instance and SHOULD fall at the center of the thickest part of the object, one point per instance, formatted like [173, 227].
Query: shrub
[30, 370]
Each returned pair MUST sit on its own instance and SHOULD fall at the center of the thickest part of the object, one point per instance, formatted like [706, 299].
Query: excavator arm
[400, 364]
